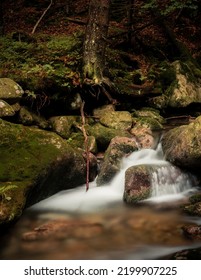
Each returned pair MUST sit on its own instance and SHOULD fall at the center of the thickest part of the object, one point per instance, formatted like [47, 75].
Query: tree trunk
[95, 41]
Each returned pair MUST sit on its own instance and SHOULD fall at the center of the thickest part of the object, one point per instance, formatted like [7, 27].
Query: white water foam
[167, 181]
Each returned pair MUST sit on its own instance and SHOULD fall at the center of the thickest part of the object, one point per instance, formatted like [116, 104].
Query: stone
[182, 146]
[27, 117]
[6, 110]
[137, 183]
[62, 125]
[117, 149]
[34, 165]
[117, 119]
[10, 91]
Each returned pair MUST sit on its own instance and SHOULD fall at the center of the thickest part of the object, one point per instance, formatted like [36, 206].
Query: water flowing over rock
[119, 147]
[137, 183]
[155, 179]
[34, 165]
[182, 146]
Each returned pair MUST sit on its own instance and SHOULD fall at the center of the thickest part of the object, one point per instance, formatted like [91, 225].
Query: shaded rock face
[182, 146]
[188, 254]
[34, 165]
[117, 149]
[137, 183]
[10, 95]
[184, 89]
[62, 125]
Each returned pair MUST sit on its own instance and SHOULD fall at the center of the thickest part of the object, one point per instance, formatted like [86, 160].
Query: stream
[75, 224]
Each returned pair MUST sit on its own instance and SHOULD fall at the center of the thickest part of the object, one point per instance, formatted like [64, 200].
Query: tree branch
[86, 145]
[43, 14]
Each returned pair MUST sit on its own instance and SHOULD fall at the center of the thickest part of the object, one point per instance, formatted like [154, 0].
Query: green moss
[139, 196]
[43, 63]
[12, 201]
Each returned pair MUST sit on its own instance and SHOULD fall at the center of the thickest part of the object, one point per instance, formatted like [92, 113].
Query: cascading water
[96, 224]
[166, 180]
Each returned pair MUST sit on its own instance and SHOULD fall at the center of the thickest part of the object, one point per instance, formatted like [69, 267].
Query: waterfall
[166, 180]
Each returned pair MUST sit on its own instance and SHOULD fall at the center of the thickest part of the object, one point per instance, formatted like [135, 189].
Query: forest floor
[22, 16]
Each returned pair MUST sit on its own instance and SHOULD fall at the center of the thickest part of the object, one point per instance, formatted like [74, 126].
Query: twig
[77, 21]
[86, 145]
[43, 14]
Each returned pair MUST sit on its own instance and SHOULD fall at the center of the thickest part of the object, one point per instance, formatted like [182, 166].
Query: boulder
[117, 119]
[62, 125]
[28, 117]
[34, 165]
[147, 127]
[104, 135]
[6, 110]
[182, 146]
[117, 149]
[183, 89]
[10, 91]
[137, 183]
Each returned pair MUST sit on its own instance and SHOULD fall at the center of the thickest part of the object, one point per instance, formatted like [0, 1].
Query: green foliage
[171, 5]
[40, 64]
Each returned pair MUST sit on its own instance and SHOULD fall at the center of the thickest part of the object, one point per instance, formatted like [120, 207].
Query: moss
[104, 135]
[147, 122]
[12, 201]
[195, 198]
[135, 198]
[22, 148]
[43, 63]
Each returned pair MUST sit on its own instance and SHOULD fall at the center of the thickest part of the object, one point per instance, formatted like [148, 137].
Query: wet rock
[34, 165]
[188, 254]
[145, 137]
[147, 127]
[137, 183]
[182, 146]
[192, 231]
[117, 149]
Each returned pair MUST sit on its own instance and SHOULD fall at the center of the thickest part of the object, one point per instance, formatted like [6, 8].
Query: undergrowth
[43, 62]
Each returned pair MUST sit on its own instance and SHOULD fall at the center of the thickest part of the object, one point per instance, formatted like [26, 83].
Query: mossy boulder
[182, 146]
[10, 91]
[104, 135]
[76, 139]
[6, 110]
[117, 149]
[147, 127]
[34, 165]
[63, 125]
[118, 120]
[183, 90]
[27, 117]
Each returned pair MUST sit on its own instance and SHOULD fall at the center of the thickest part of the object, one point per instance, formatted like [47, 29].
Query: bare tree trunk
[95, 41]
